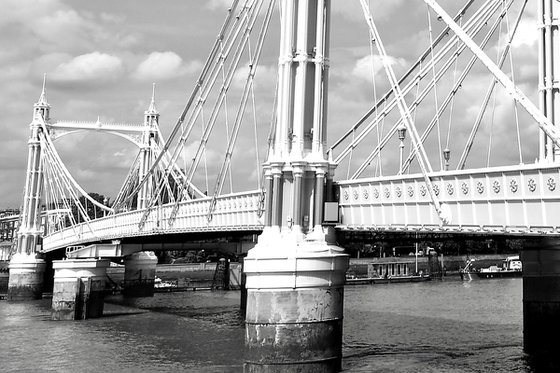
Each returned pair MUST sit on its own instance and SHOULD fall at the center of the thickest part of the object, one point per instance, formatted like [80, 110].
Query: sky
[101, 58]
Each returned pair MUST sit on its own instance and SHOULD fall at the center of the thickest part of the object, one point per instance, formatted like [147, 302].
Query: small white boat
[511, 267]
[160, 284]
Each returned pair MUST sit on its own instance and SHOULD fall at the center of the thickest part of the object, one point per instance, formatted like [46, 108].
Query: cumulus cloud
[164, 65]
[353, 10]
[526, 34]
[218, 4]
[88, 67]
[366, 65]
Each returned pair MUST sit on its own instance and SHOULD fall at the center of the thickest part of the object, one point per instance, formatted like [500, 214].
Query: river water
[436, 326]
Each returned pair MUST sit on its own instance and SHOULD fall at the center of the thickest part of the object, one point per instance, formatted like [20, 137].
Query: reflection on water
[447, 326]
[438, 326]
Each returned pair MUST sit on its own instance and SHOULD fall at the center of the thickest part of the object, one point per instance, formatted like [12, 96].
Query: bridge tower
[140, 268]
[541, 257]
[26, 268]
[149, 138]
[296, 273]
[549, 73]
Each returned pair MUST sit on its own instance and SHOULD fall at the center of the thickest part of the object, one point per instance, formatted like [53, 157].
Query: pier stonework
[25, 277]
[139, 274]
[295, 274]
[541, 296]
[79, 288]
[541, 257]
[294, 307]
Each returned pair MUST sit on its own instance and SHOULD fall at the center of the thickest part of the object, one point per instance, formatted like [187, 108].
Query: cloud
[164, 65]
[526, 34]
[365, 65]
[353, 10]
[218, 4]
[94, 66]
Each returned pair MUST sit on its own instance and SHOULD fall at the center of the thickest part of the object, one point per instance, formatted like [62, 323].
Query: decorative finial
[152, 109]
[43, 97]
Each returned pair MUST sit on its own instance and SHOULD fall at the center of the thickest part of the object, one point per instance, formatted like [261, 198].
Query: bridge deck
[233, 212]
[518, 200]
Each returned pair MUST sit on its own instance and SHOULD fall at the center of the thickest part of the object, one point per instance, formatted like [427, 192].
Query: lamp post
[401, 132]
[446, 156]
[105, 203]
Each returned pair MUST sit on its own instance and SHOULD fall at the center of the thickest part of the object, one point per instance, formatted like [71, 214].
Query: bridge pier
[139, 274]
[25, 277]
[541, 296]
[79, 288]
[294, 311]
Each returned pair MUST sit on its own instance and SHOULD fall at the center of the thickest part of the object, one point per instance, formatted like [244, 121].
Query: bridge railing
[233, 212]
[520, 200]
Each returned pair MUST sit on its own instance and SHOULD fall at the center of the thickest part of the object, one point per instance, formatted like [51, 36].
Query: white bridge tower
[296, 273]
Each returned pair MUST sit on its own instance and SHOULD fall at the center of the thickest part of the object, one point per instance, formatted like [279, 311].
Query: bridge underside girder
[227, 242]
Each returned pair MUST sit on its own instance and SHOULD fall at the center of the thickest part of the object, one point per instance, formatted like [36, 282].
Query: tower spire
[152, 108]
[42, 107]
[43, 97]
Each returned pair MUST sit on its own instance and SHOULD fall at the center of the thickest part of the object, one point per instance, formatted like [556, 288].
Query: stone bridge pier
[79, 288]
[541, 296]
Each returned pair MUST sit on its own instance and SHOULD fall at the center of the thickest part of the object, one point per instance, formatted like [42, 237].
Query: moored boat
[511, 267]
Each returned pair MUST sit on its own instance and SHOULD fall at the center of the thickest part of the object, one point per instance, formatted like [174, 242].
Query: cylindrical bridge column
[294, 308]
[276, 210]
[549, 67]
[268, 199]
[295, 278]
[541, 296]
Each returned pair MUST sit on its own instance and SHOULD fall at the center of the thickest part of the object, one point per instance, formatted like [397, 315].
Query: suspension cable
[205, 79]
[452, 104]
[223, 90]
[488, 95]
[515, 108]
[243, 104]
[434, 86]
[474, 25]
[255, 125]
[462, 77]
[542, 121]
[405, 113]
[372, 56]
[65, 170]
[422, 95]
[225, 106]
[406, 75]
[205, 84]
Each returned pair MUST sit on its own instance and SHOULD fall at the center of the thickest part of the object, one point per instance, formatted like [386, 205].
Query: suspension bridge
[297, 205]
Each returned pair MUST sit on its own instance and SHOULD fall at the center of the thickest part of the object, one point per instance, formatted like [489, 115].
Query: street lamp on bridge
[401, 132]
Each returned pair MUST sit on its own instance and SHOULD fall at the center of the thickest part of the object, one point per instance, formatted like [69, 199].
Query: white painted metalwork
[544, 123]
[233, 212]
[130, 132]
[514, 200]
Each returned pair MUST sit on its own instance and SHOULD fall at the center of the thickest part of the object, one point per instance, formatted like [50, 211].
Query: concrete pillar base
[26, 277]
[295, 294]
[79, 288]
[139, 274]
[541, 296]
